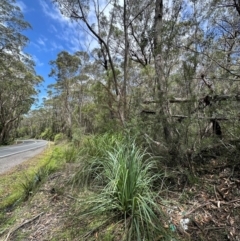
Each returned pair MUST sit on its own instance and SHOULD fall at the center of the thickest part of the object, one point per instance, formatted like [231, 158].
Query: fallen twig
[193, 210]
[226, 202]
[211, 201]
[21, 225]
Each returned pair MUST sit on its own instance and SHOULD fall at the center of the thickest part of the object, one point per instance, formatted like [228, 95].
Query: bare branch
[83, 18]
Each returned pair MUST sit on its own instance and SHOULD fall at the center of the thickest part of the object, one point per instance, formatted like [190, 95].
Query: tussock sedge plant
[31, 183]
[97, 146]
[29, 186]
[124, 179]
[32, 179]
[91, 156]
[70, 154]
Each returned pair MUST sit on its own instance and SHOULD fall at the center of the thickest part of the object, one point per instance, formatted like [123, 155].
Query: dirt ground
[204, 208]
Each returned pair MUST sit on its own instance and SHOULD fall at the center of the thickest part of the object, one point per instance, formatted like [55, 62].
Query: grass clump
[32, 181]
[97, 146]
[123, 175]
[70, 154]
[59, 138]
[92, 153]
[20, 182]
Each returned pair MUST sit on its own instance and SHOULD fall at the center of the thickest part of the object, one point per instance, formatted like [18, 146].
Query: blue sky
[51, 33]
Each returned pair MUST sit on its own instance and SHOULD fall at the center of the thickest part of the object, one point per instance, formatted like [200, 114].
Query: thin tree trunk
[160, 80]
[126, 61]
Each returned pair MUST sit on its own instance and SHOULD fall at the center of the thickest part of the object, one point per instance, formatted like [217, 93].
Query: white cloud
[45, 45]
[52, 29]
[37, 61]
[64, 29]
[42, 41]
[53, 12]
[21, 5]
[55, 46]
[72, 34]
[36, 46]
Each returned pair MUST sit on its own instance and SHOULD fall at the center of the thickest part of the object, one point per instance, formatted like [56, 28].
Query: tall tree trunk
[160, 79]
[126, 60]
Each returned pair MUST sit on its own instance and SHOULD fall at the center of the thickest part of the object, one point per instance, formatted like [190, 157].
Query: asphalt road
[26, 145]
[11, 156]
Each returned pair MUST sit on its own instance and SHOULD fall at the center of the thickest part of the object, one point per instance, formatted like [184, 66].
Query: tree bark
[126, 61]
[160, 81]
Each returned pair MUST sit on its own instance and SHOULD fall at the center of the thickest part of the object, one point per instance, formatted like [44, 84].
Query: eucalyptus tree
[204, 41]
[103, 30]
[111, 53]
[68, 105]
[159, 50]
[126, 34]
[17, 85]
[12, 23]
[65, 69]
[17, 76]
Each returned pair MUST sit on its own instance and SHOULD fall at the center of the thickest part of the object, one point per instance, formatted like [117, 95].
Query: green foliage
[22, 133]
[57, 158]
[77, 135]
[32, 181]
[30, 184]
[47, 134]
[70, 154]
[92, 151]
[98, 145]
[58, 138]
[123, 175]
[98, 114]
[17, 95]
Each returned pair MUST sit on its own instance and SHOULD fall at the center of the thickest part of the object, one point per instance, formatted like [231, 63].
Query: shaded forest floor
[203, 204]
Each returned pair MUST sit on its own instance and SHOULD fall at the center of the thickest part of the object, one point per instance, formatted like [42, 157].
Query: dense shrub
[58, 138]
[47, 134]
[122, 174]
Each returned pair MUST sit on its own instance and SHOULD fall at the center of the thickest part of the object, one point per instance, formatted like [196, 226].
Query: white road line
[22, 151]
[14, 147]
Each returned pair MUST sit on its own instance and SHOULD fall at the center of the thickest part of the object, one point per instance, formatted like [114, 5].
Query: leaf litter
[212, 212]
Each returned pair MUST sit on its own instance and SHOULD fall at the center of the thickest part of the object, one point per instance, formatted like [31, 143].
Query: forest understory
[200, 203]
[144, 113]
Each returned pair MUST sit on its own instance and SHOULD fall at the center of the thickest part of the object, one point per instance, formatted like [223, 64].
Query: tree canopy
[17, 76]
[158, 68]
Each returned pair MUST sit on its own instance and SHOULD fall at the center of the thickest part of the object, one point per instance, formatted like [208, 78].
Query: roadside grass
[113, 195]
[33, 183]
[16, 183]
[110, 197]
[21, 182]
[70, 153]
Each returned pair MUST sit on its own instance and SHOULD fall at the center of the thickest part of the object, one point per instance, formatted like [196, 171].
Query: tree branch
[83, 18]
